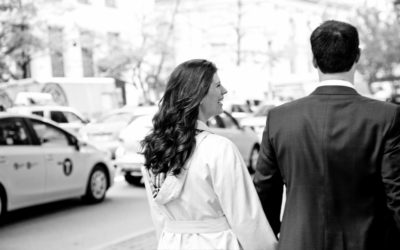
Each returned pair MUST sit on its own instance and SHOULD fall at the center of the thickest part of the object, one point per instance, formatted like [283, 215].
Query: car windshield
[263, 110]
[144, 121]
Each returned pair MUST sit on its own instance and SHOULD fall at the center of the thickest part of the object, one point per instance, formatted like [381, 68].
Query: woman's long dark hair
[172, 139]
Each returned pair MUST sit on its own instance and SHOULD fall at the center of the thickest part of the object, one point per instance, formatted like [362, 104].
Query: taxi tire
[252, 164]
[133, 180]
[3, 204]
[90, 195]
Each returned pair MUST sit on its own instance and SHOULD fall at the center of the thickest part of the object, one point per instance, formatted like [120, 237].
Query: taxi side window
[49, 135]
[58, 117]
[13, 132]
[71, 117]
[39, 113]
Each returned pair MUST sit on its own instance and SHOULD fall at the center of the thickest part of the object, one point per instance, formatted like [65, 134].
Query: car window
[240, 108]
[14, 132]
[263, 110]
[58, 117]
[49, 135]
[215, 122]
[228, 121]
[39, 113]
[71, 117]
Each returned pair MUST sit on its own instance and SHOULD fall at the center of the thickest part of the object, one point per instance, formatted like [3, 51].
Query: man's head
[334, 46]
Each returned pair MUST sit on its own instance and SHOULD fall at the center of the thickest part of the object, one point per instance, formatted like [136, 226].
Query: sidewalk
[141, 241]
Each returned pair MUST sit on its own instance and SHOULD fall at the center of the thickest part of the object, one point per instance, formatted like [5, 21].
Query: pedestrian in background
[200, 192]
[338, 154]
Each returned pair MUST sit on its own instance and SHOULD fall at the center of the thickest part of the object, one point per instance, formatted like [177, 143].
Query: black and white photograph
[199, 125]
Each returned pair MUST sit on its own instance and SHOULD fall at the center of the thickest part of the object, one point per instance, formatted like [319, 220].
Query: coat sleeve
[268, 181]
[239, 201]
[391, 167]
[156, 214]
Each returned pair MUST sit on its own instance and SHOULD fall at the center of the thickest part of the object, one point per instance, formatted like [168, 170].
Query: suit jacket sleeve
[268, 181]
[391, 167]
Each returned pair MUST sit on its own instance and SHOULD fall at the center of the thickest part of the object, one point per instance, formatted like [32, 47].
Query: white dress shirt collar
[335, 83]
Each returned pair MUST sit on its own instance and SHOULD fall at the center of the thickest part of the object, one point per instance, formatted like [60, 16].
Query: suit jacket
[338, 154]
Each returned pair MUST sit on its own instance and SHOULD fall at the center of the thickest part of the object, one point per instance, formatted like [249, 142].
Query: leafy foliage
[380, 42]
[17, 39]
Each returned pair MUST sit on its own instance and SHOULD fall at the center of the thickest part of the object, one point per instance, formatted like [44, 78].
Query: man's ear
[358, 56]
[314, 62]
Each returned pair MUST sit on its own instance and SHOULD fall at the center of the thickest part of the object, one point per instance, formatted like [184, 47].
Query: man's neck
[344, 76]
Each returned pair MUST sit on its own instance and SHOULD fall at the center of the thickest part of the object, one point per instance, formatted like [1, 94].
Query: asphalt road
[73, 225]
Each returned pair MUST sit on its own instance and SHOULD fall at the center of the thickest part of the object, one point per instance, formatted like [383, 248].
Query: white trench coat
[212, 204]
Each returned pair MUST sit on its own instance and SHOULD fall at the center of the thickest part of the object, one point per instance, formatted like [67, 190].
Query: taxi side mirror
[75, 143]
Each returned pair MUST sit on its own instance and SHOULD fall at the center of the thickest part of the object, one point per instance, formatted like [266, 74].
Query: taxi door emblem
[67, 166]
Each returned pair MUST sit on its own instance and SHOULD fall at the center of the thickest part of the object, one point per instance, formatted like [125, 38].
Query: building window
[87, 53]
[56, 51]
[111, 3]
[113, 39]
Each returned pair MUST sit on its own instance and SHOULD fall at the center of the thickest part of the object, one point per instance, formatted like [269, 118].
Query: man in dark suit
[337, 153]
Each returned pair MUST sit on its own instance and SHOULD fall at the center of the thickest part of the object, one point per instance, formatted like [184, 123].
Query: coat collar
[334, 90]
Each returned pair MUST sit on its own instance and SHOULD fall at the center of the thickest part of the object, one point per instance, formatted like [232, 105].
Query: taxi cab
[40, 162]
[66, 117]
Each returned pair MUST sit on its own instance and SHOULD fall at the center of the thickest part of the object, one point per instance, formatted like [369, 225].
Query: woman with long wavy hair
[200, 193]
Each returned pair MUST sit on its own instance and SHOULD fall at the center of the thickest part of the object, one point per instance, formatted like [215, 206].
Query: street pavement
[145, 240]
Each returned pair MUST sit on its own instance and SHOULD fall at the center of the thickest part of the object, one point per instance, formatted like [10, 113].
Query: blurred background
[99, 55]
[93, 71]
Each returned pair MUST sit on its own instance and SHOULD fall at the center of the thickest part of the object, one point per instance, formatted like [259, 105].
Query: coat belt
[197, 226]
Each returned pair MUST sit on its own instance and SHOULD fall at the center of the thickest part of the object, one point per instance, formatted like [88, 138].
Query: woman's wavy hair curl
[172, 139]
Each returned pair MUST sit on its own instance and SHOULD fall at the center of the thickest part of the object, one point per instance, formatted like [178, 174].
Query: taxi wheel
[3, 205]
[253, 159]
[97, 185]
[133, 180]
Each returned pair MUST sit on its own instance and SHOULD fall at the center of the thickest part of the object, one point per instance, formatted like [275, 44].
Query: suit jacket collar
[334, 90]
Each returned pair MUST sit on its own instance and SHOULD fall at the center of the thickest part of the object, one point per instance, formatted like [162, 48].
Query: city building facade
[78, 33]
[261, 47]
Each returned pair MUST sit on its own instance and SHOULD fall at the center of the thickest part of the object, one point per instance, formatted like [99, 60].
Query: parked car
[66, 117]
[258, 119]
[238, 110]
[129, 159]
[41, 162]
[104, 132]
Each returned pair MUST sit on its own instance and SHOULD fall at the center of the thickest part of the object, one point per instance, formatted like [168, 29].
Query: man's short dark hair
[335, 46]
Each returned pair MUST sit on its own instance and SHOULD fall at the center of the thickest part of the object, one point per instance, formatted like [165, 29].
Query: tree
[17, 39]
[147, 62]
[380, 41]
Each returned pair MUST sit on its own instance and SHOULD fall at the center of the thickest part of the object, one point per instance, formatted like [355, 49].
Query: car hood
[103, 128]
[254, 121]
